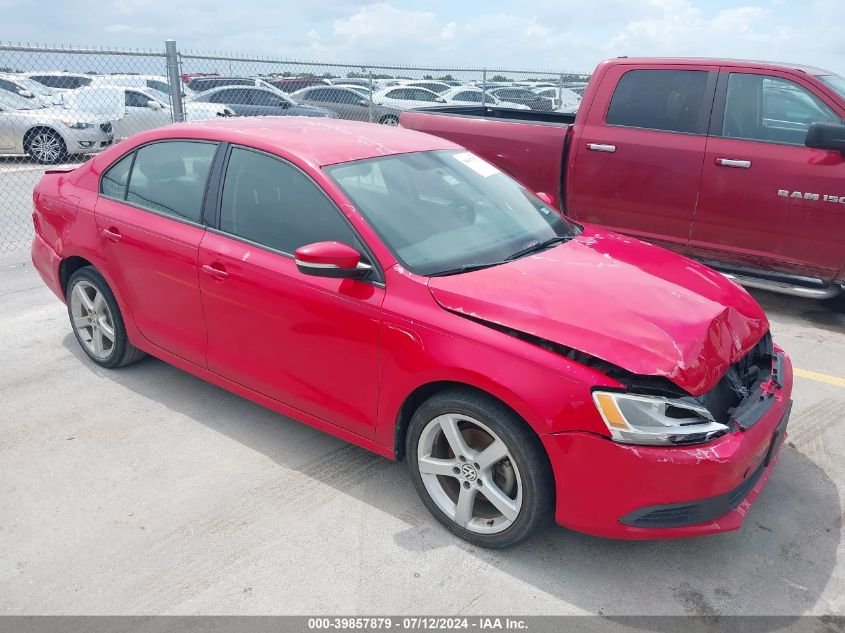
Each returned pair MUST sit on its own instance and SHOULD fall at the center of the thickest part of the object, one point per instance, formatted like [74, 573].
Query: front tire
[96, 320]
[45, 146]
[479, 469]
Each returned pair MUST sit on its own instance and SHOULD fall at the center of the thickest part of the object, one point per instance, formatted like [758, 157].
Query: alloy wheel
[45, 147]
[469, 472]
[92, 319]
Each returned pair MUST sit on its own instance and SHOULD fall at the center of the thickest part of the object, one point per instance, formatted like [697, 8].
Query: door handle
[111, 233]
[600, 147]
[733, 162]
[214, 271]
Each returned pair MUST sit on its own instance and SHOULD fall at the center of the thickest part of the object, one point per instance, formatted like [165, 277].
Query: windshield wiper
[464, 269]
[539, 246]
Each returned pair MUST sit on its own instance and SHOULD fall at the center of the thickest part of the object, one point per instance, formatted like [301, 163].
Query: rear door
[309, 342]
[148, 217]
[638, 160]
[763, 192]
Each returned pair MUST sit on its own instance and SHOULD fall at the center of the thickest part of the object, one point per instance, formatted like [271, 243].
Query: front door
[309, 342]
[766, 199]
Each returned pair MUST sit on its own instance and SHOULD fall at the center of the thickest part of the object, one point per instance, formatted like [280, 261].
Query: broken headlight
[655, 420]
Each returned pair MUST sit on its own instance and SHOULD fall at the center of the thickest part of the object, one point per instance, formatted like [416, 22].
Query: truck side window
[668, 100]
[771, 109]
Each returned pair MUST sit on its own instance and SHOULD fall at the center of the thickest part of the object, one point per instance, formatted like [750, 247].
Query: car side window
[262, 97]
[232, 96]
[474, 97]
[666, 100]
[422, 95]
[135, 99]
[169, 177]
[113, 182]
[771, 109]
[270, 202]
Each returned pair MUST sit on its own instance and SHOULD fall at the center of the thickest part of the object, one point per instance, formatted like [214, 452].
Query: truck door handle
[599, 147]
[733, 162]
[215, 271]
[111, 234]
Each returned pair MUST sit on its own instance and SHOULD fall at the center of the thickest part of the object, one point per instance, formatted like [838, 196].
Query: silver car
[49, 134]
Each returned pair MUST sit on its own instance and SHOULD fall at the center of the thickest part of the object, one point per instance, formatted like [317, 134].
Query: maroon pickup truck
[738, 164]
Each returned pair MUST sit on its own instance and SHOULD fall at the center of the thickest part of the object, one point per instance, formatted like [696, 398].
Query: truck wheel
[479, 469]
[96, 320]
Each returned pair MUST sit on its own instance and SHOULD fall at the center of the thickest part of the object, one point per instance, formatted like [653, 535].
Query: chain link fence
[60, 105]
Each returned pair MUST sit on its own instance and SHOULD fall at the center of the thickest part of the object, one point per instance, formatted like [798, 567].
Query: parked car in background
[255, 101]
[395, 290]
[26, 88]
[435, 86]
[403, 98]
[158, 83]
[578, 87]
[467, 95]
[60, 81]
[347, 103]
[133, 110]
[738, 164]
[49, 134]
[563, 99]
[204, 83]
[292, 84]
[524, 96]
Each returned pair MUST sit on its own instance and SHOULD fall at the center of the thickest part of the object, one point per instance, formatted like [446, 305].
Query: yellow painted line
[812, 375]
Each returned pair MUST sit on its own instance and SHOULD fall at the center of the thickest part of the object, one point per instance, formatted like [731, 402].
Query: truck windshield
[836, 82]
[440, 212]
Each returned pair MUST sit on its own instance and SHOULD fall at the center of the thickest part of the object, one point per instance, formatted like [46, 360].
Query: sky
[531, 34]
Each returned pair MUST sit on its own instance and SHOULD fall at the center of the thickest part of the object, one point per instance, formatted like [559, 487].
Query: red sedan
[396, 290]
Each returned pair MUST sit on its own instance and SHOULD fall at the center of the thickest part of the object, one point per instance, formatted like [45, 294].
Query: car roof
[317, 141]
[715, 61]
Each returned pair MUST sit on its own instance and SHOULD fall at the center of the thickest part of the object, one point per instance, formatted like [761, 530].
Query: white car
[49, 134]
[157, 85]
[404, 98]
[26, 88]
[60, 81]
[435, 86]
[563, 99]
[466, 95]
[133, 110]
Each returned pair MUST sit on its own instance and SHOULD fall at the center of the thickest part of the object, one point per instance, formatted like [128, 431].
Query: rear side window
[271, 202]
[169, 177]
[113, 183]
[668, 100]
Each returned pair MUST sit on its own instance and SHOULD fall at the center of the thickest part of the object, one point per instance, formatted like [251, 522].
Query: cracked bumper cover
[603, 487]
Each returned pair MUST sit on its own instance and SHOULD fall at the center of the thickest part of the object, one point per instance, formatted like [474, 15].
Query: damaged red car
[399, 292]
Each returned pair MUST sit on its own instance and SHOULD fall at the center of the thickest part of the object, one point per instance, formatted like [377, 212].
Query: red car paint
[345, 355]
[782, 215]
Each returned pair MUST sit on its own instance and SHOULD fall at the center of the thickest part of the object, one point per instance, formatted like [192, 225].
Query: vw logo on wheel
[469, 472]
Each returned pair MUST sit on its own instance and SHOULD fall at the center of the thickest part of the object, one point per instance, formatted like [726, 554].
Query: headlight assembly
[656, 421]
[78, 125]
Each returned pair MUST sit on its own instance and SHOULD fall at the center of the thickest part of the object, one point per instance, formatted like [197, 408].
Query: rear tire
[479, 469]
[97, 322]
[45, 146]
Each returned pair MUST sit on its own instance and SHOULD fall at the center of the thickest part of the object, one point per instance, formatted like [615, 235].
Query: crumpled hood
[632, 304]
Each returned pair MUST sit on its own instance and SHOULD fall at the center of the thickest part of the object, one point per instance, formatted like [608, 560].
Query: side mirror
[330, 259]
[826, 136]
[440, 100]
[546, 198]
[153, 105]
[26, 94]
[363, 102]
[283, 103]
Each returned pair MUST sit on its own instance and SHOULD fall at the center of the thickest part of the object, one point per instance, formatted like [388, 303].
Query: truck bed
[510, 139]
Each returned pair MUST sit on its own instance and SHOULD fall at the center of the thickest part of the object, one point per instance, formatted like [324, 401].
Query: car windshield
[836, 82]
[34, 87]
[441, 211]
[15, 102]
